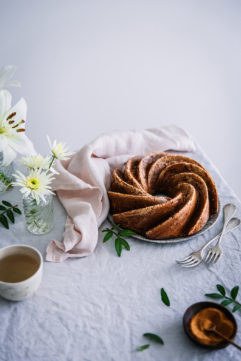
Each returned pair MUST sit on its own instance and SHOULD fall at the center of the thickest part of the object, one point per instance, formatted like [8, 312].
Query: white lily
[6, 74]
[36, 183]
[12, 128]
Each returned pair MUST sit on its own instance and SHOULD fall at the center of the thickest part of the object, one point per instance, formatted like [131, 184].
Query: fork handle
[228, 211]
[232, 224]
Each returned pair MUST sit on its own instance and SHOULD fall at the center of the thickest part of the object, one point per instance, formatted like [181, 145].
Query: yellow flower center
[32, 183]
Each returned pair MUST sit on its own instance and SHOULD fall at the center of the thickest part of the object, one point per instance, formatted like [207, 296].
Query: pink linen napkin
[83, 181]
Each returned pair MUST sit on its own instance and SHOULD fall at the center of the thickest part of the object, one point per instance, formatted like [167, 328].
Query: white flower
[59, 150]
[6, 75]
[36, 162]
[36, 183]
[12, 128]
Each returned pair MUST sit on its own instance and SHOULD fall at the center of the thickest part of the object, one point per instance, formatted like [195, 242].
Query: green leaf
[164, 297]
[106, 230]
[213, 295]
[2, 208]
[221, 289]
[226, 302]
[7, 203]
[33, 211]
[126, 233]
[143, 347]
[236, 308]
[125, 244]
[118, 246]
[10, 215]
[4, 221]
[153, 337]
[108, 236]
[234, 292]
[115, 226]
[17, 210]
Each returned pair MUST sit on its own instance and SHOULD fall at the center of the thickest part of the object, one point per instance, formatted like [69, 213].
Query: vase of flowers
[12, 129]
[36, 188]
[39, 216]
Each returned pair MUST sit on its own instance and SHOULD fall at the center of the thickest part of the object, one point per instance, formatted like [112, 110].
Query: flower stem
[52, 160]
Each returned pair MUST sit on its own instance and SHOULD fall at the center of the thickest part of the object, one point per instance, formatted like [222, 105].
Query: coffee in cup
[20, 271]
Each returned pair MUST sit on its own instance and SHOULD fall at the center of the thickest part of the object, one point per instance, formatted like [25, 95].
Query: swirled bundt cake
[162, 195]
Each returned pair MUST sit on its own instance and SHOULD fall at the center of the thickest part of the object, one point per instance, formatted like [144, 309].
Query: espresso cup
[21, 269]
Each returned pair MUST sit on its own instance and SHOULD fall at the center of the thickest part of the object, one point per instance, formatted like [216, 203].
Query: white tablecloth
[97, 308]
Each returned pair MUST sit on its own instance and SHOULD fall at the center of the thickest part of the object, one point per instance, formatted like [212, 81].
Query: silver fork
[195, 258]
[215, 252]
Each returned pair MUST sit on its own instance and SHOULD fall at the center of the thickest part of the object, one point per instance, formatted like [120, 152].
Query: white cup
[18, 291]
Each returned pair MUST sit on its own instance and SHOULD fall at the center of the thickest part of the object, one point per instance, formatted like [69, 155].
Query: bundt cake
[162, 195]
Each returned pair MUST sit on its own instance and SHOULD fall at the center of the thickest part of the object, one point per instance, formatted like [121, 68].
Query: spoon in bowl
[210, 327]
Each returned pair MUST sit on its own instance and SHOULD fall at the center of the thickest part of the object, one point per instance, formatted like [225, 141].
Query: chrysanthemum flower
[36, 162]
[59, 150]
[36, 183]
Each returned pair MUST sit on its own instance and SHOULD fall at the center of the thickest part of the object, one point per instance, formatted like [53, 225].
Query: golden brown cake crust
[188, 196]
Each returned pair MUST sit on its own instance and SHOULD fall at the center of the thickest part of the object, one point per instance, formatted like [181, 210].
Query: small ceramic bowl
[195, 308]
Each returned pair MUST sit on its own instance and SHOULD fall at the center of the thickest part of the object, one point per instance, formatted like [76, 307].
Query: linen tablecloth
[97, 308]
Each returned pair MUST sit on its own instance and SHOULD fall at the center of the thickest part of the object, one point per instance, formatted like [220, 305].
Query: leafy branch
[7, 213]
[226, 299]
[120, 242]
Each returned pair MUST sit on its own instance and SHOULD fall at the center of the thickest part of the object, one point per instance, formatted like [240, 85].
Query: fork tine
[208, 257]
[217, 258]
[190, 262]
[193, 264]
[185, 260]
[212, 258]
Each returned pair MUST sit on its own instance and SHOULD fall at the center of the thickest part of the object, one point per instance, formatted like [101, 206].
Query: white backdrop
[88, 67]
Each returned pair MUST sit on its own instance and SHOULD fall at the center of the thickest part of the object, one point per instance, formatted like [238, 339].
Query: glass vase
[6, 175]
[39, 217]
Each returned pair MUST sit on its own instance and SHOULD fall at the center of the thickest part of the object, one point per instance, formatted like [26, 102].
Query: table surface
[97, 308]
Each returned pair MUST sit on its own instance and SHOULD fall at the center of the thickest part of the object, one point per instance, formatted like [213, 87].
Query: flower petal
[21, 111]
[9, 155]
[12, 84]
[21, 144]
[5, 102]
[6, 74]
[49, 141]
[3, 142]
